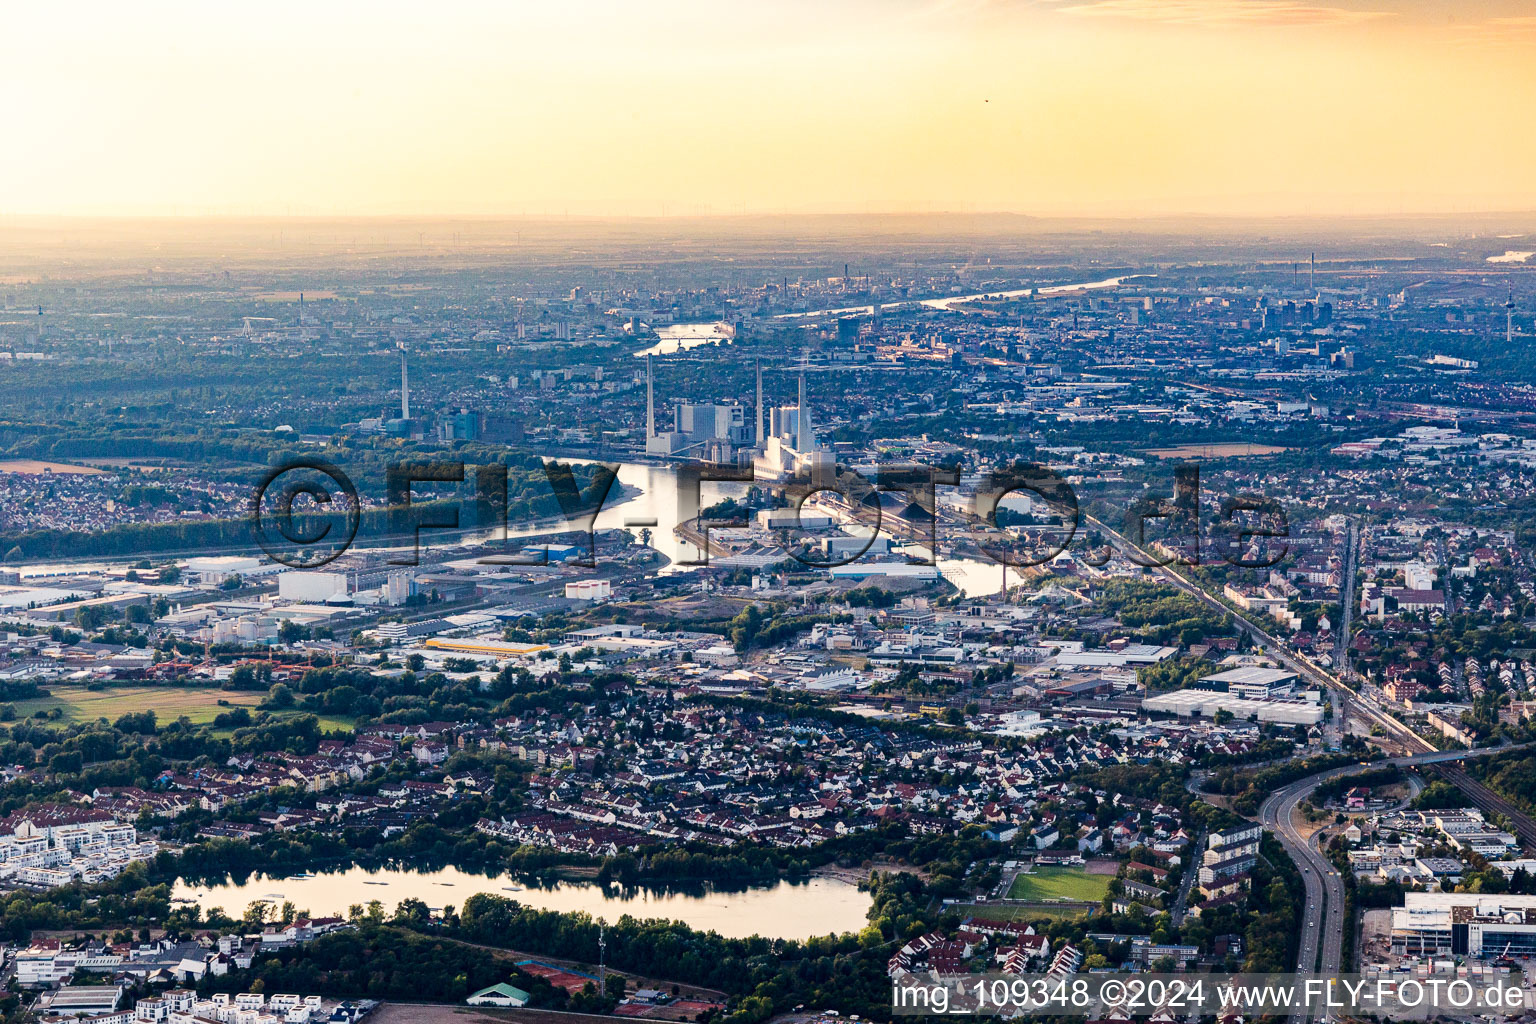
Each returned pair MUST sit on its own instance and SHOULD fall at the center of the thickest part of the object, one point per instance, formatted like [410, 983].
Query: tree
[89, 617]
[255, 915]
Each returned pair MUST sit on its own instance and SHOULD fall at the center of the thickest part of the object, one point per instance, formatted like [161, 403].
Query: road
[1320, 946]
[1181, 903]
[1347, 600]
[1322, 919]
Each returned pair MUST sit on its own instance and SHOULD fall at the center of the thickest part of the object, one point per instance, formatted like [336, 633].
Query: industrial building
[1188, 703]
[589, 590]
[1251, 681]
[1464, 924]
[494, 648]
[311, 587]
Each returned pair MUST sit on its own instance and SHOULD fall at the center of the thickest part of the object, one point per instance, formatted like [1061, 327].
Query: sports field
[200, 704]
[1055, 883]
[1027, 912]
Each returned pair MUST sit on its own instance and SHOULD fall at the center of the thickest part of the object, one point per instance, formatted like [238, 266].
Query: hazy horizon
[1081, 108]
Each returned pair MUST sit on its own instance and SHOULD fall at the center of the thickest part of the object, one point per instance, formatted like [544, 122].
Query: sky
[720, 107]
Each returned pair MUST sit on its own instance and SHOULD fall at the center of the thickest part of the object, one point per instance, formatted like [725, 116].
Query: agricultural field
[32, 467]
[79, 704]
[201, 704]
[1055, 883]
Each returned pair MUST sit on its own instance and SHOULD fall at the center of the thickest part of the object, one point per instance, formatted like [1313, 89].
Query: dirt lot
[1376, 933]
[855, 875]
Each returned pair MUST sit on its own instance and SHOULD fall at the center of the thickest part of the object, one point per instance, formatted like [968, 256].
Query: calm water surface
[681, 337]
[821, 906]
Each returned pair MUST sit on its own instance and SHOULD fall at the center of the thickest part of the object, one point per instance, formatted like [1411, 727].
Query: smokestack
[1509, 319]
[759, 405]
[1312, 275]
[650, 401]
[405, 388]
[802, 418]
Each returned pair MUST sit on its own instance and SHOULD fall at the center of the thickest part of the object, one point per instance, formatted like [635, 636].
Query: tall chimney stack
[759, 405]
[802, 418]
[405, 388]
[650, 401]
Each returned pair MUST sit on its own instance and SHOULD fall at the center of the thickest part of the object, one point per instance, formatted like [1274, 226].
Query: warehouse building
[1188, 703]
[1465, 924]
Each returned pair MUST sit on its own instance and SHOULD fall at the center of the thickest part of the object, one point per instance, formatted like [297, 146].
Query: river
[681, 337]
[650, 495]
[787, 910]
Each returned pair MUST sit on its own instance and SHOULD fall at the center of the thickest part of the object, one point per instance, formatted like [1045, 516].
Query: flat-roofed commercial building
[1208, 702]
[1465, 924]
[1252, 681]
[85, 1000]
[494, 648]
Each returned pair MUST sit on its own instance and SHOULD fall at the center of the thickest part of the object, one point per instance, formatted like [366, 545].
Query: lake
[787, 910]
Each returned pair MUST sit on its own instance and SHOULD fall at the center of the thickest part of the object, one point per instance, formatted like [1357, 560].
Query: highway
[1322, 918]
[1320, 946]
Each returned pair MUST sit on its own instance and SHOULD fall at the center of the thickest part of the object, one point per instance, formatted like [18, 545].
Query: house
[500, 994]
[430, 752]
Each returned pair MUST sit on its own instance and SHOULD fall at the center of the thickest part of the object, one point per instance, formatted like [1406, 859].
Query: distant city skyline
[596, 108]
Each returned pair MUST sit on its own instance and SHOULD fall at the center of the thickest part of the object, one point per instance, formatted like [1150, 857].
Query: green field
[1055, 883]
[1028, 912]
[200, 704]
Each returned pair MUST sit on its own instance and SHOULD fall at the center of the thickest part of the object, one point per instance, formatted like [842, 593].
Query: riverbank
[786, 909]
[857, 875]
